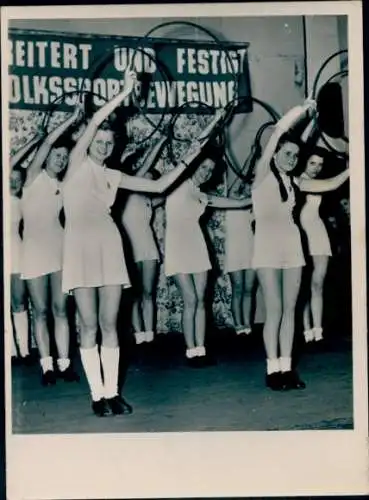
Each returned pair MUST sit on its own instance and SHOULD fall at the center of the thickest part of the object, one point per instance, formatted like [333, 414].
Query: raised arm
[24, 150]
[290, 119]
[228, 203]
[44, 150]
[323, 185]
[160, 185]
[151, 157]
[79, 151]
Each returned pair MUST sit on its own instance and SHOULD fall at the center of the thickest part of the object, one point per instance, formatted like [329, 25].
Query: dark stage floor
[167, 396]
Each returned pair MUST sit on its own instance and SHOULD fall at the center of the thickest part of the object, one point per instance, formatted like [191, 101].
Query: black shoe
[100, 408]
[291, 380]
[69, 375]
[16, 361]
[119, 406]
[27, 360]
[48, 378]
[274, 381]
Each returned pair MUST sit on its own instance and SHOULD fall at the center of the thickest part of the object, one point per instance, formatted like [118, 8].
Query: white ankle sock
[47, 364]
[273, 365]
[309, 335]
[239, 329]
[14, 347]
[110, 364]
[21, 332]
[318, 333]
[63, 364]
[149, 336]
[191, 352]
[140, 337]
[200, 351]
[285, 364]
[91, 364]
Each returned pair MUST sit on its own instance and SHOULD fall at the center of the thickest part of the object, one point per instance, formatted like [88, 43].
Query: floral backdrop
[23, 126]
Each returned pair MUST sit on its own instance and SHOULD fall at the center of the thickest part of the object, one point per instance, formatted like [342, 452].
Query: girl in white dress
[42, 246]
[239, 248]
[278, 254]
[319, 248]
[93, 262]
[19, 298]
[186, 254]
[137, 219]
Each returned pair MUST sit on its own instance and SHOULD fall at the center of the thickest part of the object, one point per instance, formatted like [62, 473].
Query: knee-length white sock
[21, 332]
[14, 347]
[91, 364]
[110, 364]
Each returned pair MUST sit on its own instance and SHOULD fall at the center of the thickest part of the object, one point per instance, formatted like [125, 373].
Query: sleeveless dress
[15, 239]
[93, 250]
[185, 247]
[239, 240]
[311, 222]
[277, 242]
[137, 217]
[42, 245]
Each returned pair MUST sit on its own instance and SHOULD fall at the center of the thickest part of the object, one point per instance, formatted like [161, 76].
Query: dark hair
[307, 151]
[214, 153]
[284, 139]
[23, 174]
[64, 141]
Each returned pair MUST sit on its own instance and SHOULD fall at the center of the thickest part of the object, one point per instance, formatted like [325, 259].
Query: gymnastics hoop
[54, 105]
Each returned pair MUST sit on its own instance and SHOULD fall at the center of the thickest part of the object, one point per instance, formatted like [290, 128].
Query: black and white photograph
[184, 221]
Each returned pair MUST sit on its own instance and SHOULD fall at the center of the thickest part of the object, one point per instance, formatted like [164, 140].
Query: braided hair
[284, 139]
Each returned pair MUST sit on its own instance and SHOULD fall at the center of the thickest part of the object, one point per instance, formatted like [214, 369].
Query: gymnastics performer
[137, 218]
[278, 254]
[318, 245]
[42, 247]
[19, 298]
[239, 243]
[186, 254]
[94, 266]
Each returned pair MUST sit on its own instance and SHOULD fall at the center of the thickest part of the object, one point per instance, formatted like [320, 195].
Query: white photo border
[216, 464]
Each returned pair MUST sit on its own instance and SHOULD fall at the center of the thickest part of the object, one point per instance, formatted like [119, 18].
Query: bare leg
[317, 288]
[236, 278]
[149, 274]
[291, 289]
[186, 286]
[200, 282]
[59, 306]
[247, 296]
[271, 285]
[38, 290]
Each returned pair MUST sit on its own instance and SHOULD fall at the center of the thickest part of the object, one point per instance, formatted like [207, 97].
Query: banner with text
[49, 67]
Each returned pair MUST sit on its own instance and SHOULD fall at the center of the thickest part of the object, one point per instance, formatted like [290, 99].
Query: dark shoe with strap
[100, 408]
[274, 381]
[48, 378]
[119, 406]
[291, 380]
[69, 375]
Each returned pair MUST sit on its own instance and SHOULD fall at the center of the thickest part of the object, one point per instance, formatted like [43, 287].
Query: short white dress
[277, 242]
[93, 253]
[239, 240]
[185, 247]
[42, 245]
[15, 239]
[137, 216]
[311, 222]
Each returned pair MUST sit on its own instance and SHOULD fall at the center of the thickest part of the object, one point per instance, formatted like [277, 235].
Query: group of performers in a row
[65, 241]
